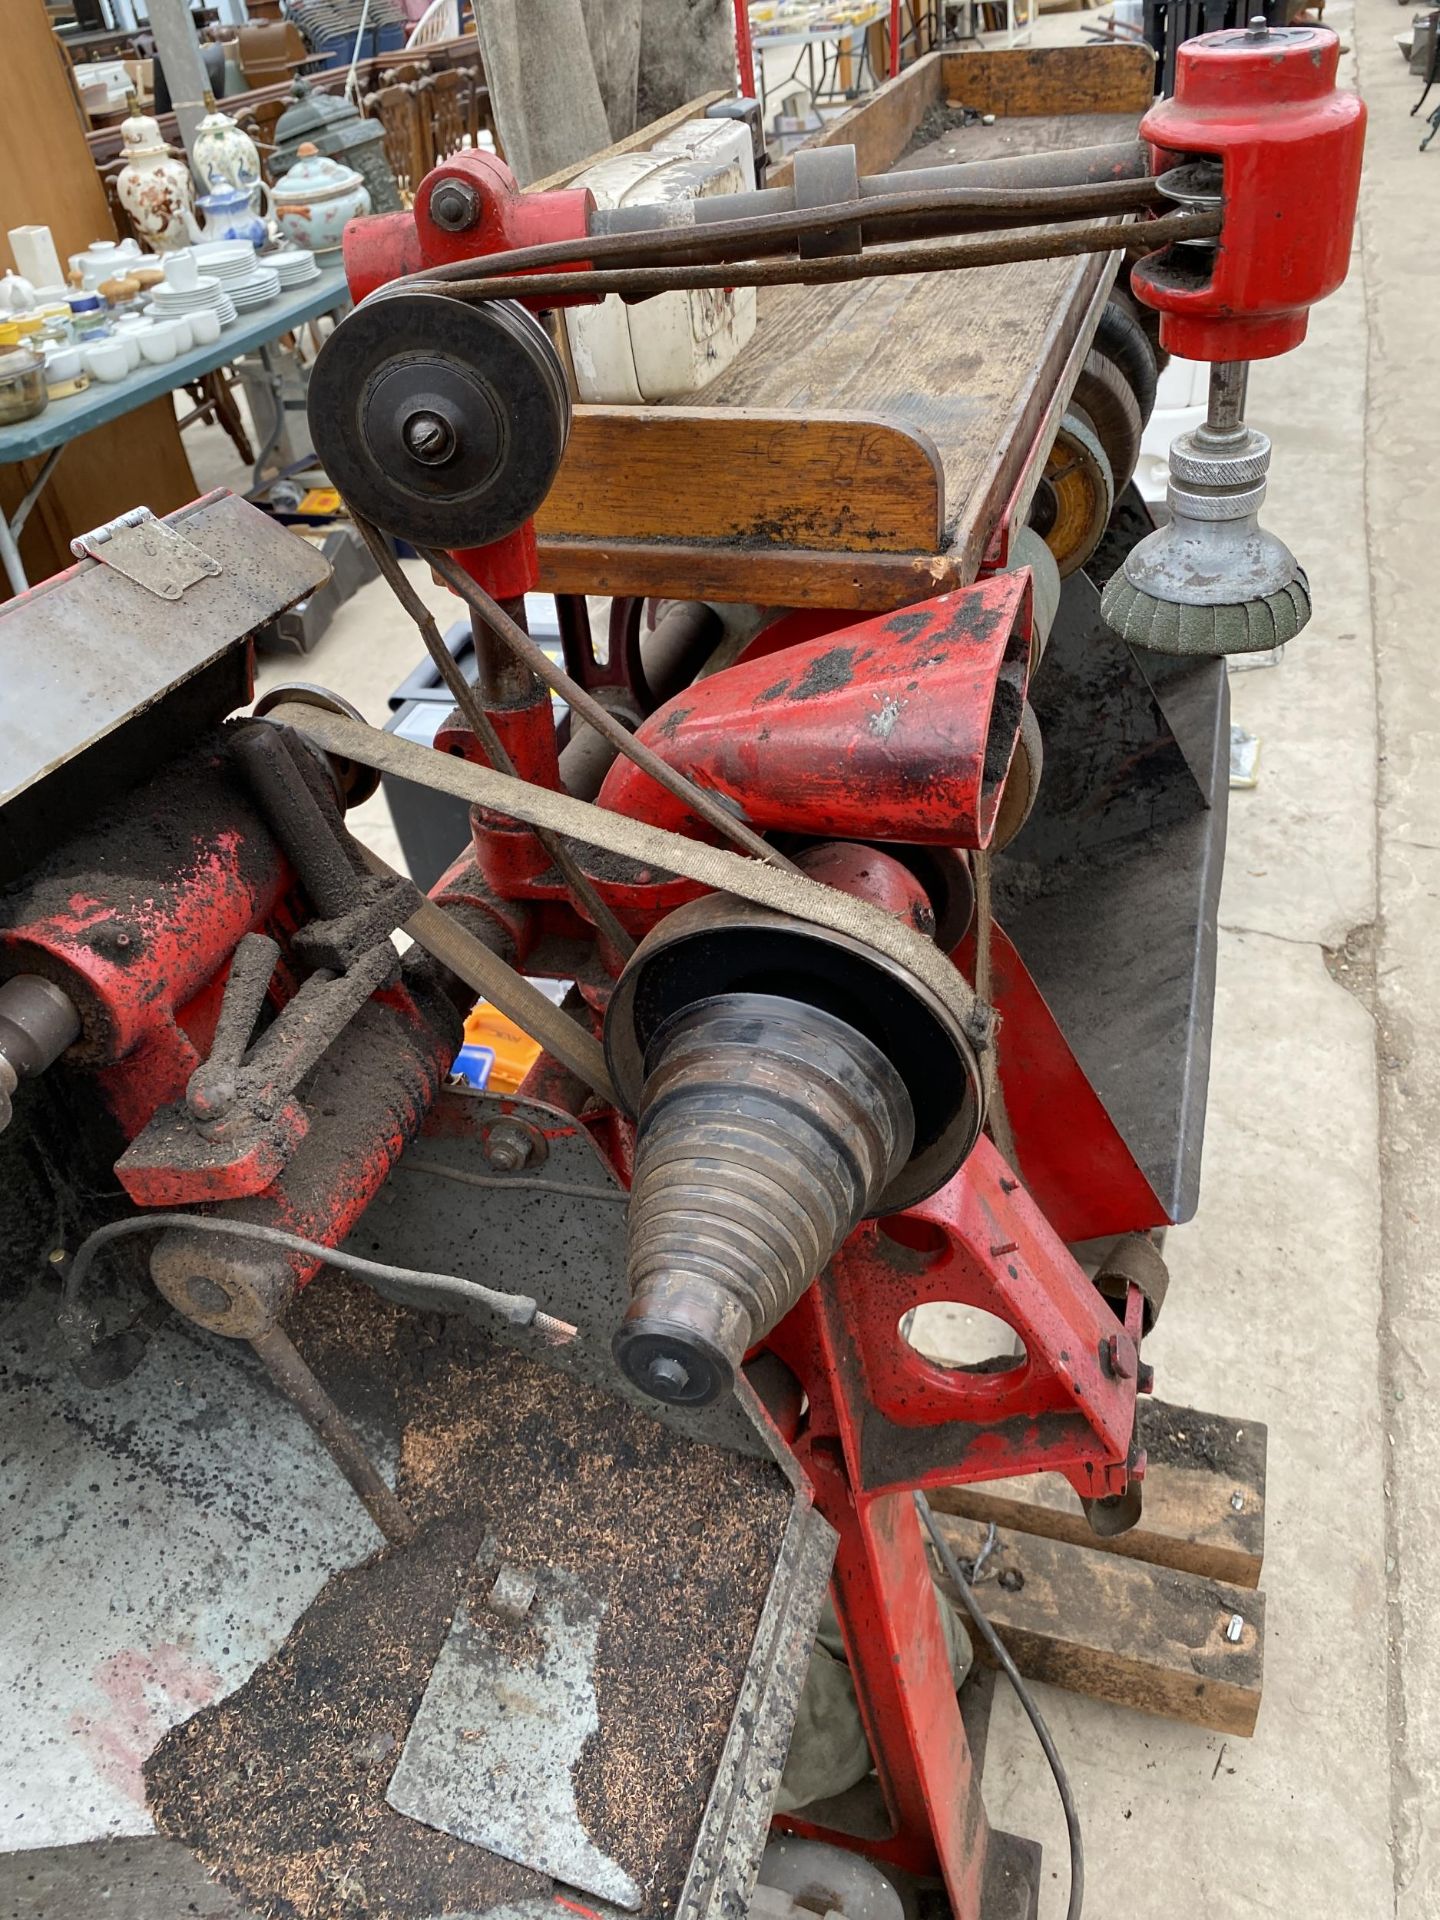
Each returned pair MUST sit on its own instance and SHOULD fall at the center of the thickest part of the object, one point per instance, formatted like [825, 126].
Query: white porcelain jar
[226, 156]
[316, 199]
[156, 189]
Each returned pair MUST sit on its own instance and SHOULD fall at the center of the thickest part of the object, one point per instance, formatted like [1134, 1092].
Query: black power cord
[955, 1574]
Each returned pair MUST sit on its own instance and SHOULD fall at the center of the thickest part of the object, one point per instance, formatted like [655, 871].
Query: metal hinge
[148, 551]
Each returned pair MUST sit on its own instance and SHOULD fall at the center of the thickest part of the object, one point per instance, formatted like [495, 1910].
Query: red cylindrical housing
[1266, 105]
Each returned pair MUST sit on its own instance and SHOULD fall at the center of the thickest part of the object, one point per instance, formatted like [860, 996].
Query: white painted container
[675, 344]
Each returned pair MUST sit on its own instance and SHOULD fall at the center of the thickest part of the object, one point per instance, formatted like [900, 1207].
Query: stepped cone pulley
[767, 1131]
[1212, 581]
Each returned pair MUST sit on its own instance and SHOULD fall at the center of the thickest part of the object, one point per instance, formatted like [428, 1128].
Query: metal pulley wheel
[1108, 401]
[1075, 496]
[1022, 782]
[1121, 338]
[443, 423]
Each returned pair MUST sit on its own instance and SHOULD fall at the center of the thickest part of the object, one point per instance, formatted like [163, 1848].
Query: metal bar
[1041, 243]
[330, 1427]
[178, 45]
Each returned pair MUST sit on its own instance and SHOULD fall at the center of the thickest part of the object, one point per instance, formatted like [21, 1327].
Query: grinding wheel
[1108, 400]
[441, 422]
[1076, 494]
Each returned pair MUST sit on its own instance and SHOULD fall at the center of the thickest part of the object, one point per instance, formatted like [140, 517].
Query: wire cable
[517, 1309]
[955, 1574]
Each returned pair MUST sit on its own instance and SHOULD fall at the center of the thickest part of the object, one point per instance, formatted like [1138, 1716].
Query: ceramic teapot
[155, 187]
[316, 198]
[226, 158]
[229, 215]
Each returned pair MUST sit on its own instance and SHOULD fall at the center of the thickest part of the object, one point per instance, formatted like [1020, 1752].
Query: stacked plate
[257, 290]
[295, 265]
[166, 301]
[227, 261]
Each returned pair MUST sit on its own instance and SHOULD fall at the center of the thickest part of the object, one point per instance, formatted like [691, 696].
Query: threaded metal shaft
[767, 1131]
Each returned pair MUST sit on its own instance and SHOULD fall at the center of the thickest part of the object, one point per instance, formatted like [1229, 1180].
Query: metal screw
[509, 1147]
[1234, 1627]
[1257, 26]
[454, 205]
[429, 437]
[1237, 1503]
[1118, 1358]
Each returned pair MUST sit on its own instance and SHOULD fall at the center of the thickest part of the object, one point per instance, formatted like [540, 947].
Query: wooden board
[1199, 1465]
[1051, 80]
[819, 479]
[880, 126]
[1138, 1636]
[638, 142]
[980, 363]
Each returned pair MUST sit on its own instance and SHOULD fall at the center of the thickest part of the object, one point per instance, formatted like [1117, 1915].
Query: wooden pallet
[1142, 1620]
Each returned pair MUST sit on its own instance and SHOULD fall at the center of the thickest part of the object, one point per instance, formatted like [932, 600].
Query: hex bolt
[668, 1376]
[509, 1148]
[455, 206]
[429, 437]
[1234, 1627]
[1119, 1360]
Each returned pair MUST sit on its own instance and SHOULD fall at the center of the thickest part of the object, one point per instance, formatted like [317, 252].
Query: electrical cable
[517, 1309]
[955, 1574]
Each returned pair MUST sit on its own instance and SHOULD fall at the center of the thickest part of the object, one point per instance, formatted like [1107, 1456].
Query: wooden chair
[448, 110]
[270, 50]
[405, 76]
[403, 125]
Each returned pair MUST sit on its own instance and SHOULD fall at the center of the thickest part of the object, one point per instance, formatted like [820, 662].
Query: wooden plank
[880, 126]
[1199, 1464]
[1137, 1636]
[1050, 80]
[851, 482]
[640, 141]
[771, 576]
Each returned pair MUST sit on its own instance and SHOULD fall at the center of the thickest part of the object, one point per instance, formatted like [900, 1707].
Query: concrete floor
[1305, 1294]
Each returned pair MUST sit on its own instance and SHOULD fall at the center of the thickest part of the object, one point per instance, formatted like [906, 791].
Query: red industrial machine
[829, 1083]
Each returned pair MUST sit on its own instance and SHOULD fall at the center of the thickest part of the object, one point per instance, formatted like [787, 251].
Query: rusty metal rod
[336, 1435]
[899, 216]
[481, 725]
[1041, 243]
[704, 805]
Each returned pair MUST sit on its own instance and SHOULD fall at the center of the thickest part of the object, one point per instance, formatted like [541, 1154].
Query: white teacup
[63, 364]
[107, 360]
[204, 326]
[182, 270]
[158, 344]
[179, 325]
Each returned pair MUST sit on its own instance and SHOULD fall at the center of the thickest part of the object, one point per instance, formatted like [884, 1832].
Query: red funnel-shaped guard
[898, 729]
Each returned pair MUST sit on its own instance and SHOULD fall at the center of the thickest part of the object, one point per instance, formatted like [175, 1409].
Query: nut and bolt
[429, 437]
[1119, 1357]
[1234, 1627]
[455, 206]
[668, 1376]
[510, 1146]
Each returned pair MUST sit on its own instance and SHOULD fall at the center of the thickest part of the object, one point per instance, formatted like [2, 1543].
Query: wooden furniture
[448, 113]
[46, 177]
[407, 146]
[939, 395]
[270, 51]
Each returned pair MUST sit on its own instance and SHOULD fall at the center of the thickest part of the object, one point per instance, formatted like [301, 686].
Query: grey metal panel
[84, 653]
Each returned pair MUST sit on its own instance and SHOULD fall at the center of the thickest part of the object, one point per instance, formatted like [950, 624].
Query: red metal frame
[881, 1422]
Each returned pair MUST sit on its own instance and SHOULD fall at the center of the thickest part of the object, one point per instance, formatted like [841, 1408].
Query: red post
[894, 38]
[744, 51]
